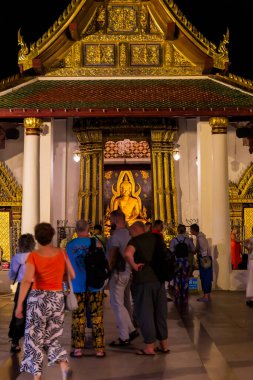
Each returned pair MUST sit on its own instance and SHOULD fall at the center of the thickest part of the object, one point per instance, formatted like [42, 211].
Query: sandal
[100, 354]
[161, 350]
[119, 343]
[77, 353]
[143, 352]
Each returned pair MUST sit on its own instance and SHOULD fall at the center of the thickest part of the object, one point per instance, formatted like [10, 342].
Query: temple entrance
[127, 164]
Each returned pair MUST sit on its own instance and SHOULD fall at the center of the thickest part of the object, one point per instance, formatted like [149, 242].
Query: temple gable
[98, 38]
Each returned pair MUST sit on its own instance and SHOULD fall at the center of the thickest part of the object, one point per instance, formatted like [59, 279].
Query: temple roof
[163, 96]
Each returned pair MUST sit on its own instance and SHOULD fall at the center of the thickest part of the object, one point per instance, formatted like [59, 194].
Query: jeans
[119, 283]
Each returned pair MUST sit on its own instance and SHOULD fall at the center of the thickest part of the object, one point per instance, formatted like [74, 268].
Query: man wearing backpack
[77, 250]
[182, 247]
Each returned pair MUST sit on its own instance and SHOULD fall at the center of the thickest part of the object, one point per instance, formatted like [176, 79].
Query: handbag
[13, 286]
[71, 303]
[70, 299]
[205, 262]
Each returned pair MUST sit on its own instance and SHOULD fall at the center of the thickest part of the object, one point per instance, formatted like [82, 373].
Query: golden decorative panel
[122, 19]
[248, 221]
[99, 55]
[241, 201]
[132, 149]
[5, 234]
[145, 55]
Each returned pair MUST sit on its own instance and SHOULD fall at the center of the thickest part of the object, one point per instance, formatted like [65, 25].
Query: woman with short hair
[46, 268]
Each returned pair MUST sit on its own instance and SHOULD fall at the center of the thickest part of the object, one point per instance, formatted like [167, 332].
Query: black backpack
[181, 249]
[163, 261]
[96, 266]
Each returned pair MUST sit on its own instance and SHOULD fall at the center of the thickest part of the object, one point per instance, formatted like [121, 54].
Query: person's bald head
[136, 229]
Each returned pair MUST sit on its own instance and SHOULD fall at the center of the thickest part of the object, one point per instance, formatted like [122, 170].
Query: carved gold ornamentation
[33, 126]
[101, 18]
[96, 55]
[145, 174]
[23, 51]
[122, 19]
[76, 55]
[145, 55]
[219, 125]
[11, 198]
[108, 174]
[239, 80]
[10, 191]
[126, 71]
[123, 55]
[179, 59]
[241, 200]
[222, 49]
[5, 243]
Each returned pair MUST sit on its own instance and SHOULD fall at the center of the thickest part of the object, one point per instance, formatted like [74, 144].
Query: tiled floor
[208, 341]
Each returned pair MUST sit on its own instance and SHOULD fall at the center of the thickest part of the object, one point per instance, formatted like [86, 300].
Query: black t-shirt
[144, 245]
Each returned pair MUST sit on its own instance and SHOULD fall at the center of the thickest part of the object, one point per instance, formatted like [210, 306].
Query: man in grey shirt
[120, 281]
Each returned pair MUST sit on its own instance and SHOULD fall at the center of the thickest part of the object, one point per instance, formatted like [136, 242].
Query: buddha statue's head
[126, 187]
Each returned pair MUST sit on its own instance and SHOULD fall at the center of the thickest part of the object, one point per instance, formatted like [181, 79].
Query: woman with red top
[235, 248]
[45, 268]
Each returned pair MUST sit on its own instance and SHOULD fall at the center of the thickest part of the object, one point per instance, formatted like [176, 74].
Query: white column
[221, 220]
[30, 200]
[46, 168]
[204, 168]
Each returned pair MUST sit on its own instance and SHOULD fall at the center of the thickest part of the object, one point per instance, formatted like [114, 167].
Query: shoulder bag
[71, 303]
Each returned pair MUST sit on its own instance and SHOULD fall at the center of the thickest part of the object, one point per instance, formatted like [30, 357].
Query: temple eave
[118, 112]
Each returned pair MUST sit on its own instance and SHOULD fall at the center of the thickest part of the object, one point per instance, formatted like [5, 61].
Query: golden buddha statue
[128, 203]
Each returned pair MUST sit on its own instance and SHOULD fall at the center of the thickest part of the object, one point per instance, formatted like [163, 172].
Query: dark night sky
[211, 18]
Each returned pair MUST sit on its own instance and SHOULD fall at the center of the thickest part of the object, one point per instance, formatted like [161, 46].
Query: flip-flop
[75, 354]
[160, 350]
[142, 352]
[202, 299]
[100, 354]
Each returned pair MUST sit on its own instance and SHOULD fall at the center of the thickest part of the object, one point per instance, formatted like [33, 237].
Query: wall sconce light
[175, 153]
[76, 155]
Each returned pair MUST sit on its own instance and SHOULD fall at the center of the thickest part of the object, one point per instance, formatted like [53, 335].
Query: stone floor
[208, 341]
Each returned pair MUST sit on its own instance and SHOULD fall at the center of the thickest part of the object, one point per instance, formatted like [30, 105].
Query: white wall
[239, 157]
[72, 177]
[186, 171]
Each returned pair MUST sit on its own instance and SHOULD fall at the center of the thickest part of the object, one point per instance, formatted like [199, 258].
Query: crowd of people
[138, 297]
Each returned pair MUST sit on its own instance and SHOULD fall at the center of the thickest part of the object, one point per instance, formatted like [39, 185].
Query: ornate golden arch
[10, 211]
[241, 201]
[116, 193]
